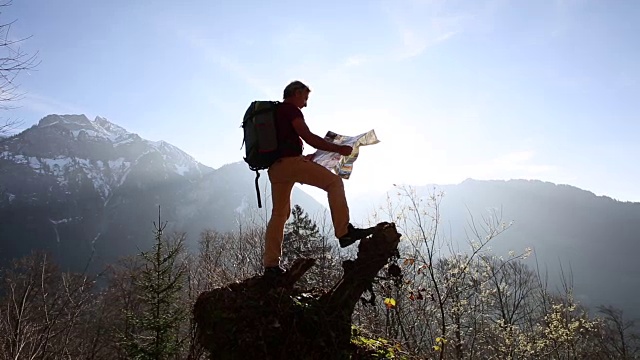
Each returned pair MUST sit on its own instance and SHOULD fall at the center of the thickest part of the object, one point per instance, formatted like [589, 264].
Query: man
[292, 167]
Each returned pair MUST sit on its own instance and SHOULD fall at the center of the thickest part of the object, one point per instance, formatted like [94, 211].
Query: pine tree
[302, 238]
[155, 330]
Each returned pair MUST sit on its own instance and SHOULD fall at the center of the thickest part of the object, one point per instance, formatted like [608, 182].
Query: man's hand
[345, 150]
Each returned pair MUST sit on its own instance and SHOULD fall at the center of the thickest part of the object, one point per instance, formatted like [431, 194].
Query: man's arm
[316, 141]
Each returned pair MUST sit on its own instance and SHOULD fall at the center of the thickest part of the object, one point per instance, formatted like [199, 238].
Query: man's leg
[281, 200]
[311, 173]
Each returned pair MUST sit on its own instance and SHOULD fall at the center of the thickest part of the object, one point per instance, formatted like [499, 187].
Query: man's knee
[336, 183]
[281, 214]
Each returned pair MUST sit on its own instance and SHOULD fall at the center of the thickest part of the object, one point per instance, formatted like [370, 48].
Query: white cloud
[354, 60]
[212, 52]
[416, 40]
[421, 25]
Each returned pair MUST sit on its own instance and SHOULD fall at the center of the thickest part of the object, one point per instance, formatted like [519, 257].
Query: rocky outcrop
[271, 318]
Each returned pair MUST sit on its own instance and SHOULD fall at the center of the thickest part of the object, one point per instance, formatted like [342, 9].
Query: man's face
[301, 98]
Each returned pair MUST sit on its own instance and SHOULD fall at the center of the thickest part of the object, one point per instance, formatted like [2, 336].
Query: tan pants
[283, 175]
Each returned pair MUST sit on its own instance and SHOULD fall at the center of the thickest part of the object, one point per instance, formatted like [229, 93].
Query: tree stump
[269, 318]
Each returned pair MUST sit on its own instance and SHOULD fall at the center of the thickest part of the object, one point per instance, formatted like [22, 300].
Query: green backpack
[260, 138]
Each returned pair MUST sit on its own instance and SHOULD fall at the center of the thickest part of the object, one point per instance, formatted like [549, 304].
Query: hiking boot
[353, 235]
[273, 271]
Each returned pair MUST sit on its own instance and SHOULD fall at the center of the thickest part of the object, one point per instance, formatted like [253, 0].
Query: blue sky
[495, 89]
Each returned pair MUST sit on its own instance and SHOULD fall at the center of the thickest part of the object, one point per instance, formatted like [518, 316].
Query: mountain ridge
[594, 239]
[79, 187]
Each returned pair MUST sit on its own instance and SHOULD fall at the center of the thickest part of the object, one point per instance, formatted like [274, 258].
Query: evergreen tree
[302, 238]
[155, 330]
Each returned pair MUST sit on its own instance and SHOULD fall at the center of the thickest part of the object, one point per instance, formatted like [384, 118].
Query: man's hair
[294, 86]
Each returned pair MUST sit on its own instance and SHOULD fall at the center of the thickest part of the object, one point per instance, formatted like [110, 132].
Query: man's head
[296, 93]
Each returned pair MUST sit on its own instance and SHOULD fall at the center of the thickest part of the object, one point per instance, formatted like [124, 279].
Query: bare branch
[13, 61]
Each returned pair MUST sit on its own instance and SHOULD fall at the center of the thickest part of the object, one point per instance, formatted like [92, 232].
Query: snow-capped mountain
[77, 186]
[63, 148]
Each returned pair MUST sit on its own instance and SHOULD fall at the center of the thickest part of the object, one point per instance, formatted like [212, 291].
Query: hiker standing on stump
[292, 167]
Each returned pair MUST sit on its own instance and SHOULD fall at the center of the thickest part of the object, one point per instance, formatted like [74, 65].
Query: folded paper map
[343, 165]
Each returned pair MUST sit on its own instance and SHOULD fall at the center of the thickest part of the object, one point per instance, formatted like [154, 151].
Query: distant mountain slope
[75, 186]
[594, 237]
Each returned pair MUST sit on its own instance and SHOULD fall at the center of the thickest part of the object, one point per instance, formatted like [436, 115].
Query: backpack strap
[258, 189]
